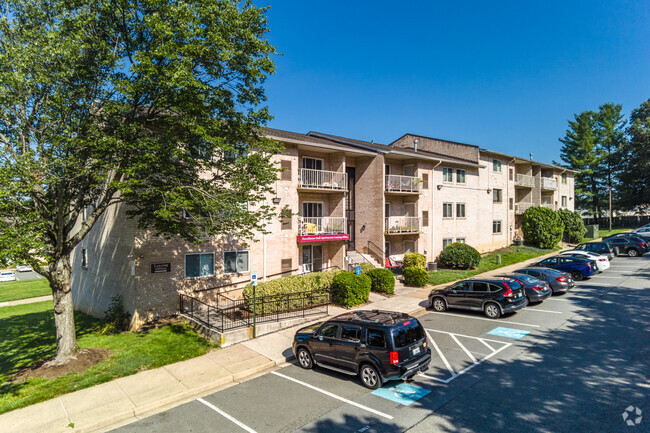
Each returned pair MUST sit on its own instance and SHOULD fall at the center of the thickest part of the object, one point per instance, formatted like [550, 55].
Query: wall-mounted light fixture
[489, 191]
[439, 187]
[363, 228]
[276, 200]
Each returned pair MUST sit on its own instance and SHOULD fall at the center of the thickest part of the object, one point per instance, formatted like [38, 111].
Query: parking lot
[572, 363]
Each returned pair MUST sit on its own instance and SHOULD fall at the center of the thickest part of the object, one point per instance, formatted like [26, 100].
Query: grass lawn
[13, 290]
[28, 337]
[489, 262]
[603, 233]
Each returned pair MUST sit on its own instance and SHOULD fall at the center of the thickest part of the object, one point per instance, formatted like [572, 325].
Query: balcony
[549, 183]
[525, 180]
[549, 206]
[402, 184]
[520, 208]
[322, 180]
[402, 225]
[323, 228]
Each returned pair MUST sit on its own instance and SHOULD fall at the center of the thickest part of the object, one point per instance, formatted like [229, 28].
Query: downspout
[514, 175]
[431, 212]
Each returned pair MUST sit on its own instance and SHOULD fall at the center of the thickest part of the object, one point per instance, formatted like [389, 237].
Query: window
[460, 210]
[409, 209]
[511, 204]
[285, 165]
[447, 174]
[447, 241]
[239, 150]
[350, 333]
[463, 286]
[409, 246]
[407, 334]
[286, 265]
[376, 338]
[425, 181]
[312, 163]
[460, 176]
[312, 209]
[564, 201]
[235, 262]
[496, 165]
[511, 173]
[480, 287]
[387, 169]
[497, 195]
[199, 265]
[329, 331]
[496, 226]
[460, 240]
[425, 218]
[84, 258]
[564, 178]
[387, 209]
[447, 210]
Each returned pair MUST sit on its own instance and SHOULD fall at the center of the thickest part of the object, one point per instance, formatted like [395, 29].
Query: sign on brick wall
[320, 238]
[159, 268]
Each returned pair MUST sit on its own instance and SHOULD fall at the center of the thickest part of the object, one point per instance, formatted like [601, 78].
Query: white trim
[443, 210]
[302, 159]
[464, 210]
[223, 257]
[185, 277]
[451, 170]
[500, 227]
[464, 176]
[321, 203]
[500, 170]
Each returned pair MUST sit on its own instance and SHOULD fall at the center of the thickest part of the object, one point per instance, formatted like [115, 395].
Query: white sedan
[7, 276]
[23, 268]
[602, 262]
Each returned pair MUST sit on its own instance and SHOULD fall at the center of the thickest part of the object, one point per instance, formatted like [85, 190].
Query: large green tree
[635, 178]
[154, 104]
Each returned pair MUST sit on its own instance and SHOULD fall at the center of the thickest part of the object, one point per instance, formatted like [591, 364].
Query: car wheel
[527, 300]
[370, 376]
[633, 252]
[492, 311]
[304, 358]
[577, 275]
[439, 305]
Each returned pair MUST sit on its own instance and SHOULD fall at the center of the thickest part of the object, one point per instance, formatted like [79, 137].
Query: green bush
[459, 256]
[415, 277]
[542, 227]
[116, 319]
[415, 260]
[349, 289]
[574, 227]
[366, 267]
[382, 280]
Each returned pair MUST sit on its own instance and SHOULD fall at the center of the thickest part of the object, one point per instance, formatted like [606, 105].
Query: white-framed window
[460, 240]
[199, 265]
[496, 226]
[447, 241]
[425, 181]
[312, 209]
[564, 201]
[447, 210]
[425, 218]
[564, 177]
[409, 246]
[236, 262]
[511, 204]
[84, 258]
[239, 150]
[497, 195]
[312, 163]
[447, 174]
[460, 210]
[496, 165]
[460, 176]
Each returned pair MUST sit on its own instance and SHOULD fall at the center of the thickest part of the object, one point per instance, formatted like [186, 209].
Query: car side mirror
[453, 291]
[320, 337]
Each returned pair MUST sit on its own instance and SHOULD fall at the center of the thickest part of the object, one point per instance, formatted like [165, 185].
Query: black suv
[604, 248]
[633, 246]
[493, 296]
[376, 345]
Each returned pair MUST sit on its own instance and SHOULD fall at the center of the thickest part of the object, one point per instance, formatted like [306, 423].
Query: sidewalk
[109, 405]
[26, 301]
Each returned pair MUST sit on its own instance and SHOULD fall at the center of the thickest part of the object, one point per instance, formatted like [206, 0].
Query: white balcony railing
[402, 224]
[397, 183]
[525, 180]
[549, 206]
[322, 226]
[520, 208]
[323, 179]
[549, 183]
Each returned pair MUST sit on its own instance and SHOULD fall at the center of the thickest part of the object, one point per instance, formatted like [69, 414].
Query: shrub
[116, 319]
[349, 289]
[415, 260]
[459, 256]
[574, 227]
[415, 277]
[382, 280]
[366, 267]
[542, 227]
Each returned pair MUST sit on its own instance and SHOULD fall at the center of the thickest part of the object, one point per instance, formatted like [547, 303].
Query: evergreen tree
[635, 178]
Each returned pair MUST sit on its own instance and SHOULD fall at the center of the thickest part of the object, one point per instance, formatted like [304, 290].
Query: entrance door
[387, 249]
[312, 258]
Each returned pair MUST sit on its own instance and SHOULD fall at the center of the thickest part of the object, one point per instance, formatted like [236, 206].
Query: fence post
[208, 316]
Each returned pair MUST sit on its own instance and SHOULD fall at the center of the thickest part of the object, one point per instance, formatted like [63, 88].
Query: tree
[636, 160]
[574, 227]
[152, 104]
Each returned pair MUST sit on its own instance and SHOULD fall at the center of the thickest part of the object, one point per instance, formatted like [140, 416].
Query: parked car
[376, 345]
[23, 268]
[536, 289]
[644, 227]
[603, 248]
[578, 268]
[632, 246]
[644, 238]
[7, 276]
[493, 296]
[645, 231]
[602, 262]
[559, 281]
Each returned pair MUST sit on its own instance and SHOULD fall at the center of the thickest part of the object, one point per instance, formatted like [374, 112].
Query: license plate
[416, 351]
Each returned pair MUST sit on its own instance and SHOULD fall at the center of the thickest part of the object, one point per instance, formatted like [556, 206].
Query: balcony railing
[549, 206]
[402, 224]
[525, 180]
[321, 226]
[322, 179]
[520, 208]
[397, 183]
[549, 183]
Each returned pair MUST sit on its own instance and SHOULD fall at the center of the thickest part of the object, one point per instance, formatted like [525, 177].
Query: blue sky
[502, 75]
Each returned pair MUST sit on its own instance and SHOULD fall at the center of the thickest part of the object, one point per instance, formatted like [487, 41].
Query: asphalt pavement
[575, 363]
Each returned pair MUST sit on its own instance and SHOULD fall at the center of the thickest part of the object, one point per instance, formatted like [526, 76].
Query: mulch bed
[84, 359]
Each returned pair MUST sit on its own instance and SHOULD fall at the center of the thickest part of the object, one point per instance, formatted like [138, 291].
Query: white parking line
[543, 311]
[463, 347]
[225, 415]
[345, 400]
[486, 345]
[488, 320]
[618, 278]
[433, 342]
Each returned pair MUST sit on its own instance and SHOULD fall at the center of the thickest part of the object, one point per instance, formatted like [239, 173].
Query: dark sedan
[578, 268]
[536, 289]
[559, 281]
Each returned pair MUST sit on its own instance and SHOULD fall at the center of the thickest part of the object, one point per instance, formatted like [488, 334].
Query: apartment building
[343, 201]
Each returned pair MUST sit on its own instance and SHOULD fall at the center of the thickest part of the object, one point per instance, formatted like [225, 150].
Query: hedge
[349, 289]
[459, 256]
[415, 277]
[382, 281]
[415, 260]
[542, 227]
[574, 227]
[366, 267]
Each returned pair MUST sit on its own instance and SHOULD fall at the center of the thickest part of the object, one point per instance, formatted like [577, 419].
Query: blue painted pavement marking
[508, 332]
[403, 393]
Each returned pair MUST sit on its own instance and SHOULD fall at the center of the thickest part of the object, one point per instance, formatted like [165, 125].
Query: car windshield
[525, 278]
[407, 333]
[6, 273]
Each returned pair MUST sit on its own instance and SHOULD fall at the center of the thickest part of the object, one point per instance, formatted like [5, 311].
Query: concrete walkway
[26, 301]
[109, 405]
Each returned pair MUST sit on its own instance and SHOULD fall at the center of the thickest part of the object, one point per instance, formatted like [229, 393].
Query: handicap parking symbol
[403, 393]
[509, 332]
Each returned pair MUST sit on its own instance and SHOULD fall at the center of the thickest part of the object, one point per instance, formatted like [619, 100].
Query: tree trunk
[66, 336]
